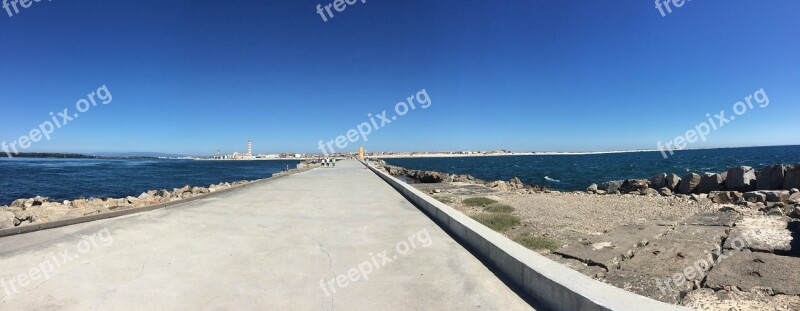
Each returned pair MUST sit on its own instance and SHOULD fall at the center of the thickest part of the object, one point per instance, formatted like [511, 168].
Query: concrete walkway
[272, 246]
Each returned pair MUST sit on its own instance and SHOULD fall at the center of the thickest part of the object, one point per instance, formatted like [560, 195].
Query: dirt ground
[649, 244]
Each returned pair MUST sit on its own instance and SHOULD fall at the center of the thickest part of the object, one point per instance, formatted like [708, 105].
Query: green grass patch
[498, 208]
[498, 222]
[537, 243]
[479, 201]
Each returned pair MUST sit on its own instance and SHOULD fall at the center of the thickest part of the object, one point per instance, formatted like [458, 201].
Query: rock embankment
[427, 177]
[28, 211]
[772, 189]
[36, 210]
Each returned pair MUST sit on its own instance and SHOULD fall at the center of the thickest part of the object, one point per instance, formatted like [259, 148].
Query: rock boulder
[7, 220]
[755, 196]
[741, 178]
[776, 195]
[673, 180]
[771, 177]
[610, 186]
[658, 181]
[689, 183]
[792, 177]
[722, 197]
[711, 182]
[516, 183]
[634, 185]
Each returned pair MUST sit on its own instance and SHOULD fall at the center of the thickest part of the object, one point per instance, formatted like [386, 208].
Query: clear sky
[190, 77]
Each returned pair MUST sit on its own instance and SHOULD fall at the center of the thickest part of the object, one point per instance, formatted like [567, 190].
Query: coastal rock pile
[36, 210]
[429, 177]
[772, 189]
[23, 212]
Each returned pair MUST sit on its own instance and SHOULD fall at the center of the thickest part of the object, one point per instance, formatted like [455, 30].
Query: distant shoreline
[479, 154]
[255, 159]
[449, 155]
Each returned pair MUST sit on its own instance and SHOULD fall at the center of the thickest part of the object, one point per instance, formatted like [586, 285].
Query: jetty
[348, 237]
[266, 246]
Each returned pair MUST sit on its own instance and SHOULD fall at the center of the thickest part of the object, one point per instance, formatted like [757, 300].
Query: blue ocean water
[576, 172]
[66, 179]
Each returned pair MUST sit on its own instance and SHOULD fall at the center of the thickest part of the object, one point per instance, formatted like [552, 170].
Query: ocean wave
[551, 179]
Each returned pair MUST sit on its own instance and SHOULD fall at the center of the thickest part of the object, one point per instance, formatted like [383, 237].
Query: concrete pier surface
[326, 239]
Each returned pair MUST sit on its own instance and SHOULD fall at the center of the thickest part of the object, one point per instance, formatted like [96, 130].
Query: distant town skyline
[192, 78]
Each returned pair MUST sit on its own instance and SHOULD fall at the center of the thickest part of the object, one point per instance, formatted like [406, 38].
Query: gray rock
[665, 192]
[792, 177]
[498, 185]
[673, 180]
[658, 181]
[634, 185]
[755, 196]
[428, 177]
[516, 183]
[754, 272]
[689, 183]
[700, 197]
[795, 212]
[610, 186]
[650, 192]
[722, 197]
[8, 220]
[592, 188]
[40, 200]
[741, 178]
[776, 195]
[19, 203]
[199, 190]
[770, 177]
[711, 182]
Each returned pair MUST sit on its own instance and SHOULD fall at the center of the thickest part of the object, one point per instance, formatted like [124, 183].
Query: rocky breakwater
[23, 212]
[430, 177]
[772, 189]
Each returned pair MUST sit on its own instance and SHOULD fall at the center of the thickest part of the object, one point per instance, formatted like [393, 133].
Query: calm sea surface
[576, 172]
[66, 179]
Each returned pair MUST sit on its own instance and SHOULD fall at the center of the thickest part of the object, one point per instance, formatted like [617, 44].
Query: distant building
[237, 155]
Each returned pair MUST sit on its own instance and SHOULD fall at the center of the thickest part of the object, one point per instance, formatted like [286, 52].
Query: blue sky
[194, 76]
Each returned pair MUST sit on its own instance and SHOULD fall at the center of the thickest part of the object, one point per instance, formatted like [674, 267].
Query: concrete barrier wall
[551, 285]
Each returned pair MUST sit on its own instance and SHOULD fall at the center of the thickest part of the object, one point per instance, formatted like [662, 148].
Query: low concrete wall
[552, 285]
[129, 211]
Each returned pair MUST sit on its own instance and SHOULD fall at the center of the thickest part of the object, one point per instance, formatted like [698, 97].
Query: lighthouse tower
[249, 147]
